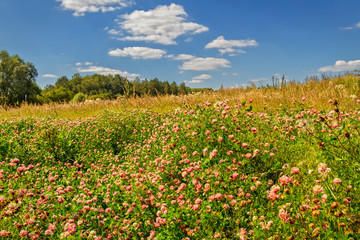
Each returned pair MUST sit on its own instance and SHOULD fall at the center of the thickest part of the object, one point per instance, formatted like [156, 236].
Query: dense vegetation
[243, 164]
[17, 85]
[109, 87]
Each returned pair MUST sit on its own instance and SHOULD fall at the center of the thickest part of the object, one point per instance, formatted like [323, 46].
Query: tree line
[18, 84]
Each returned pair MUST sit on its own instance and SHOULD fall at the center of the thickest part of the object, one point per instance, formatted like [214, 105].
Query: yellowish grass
[345, 89]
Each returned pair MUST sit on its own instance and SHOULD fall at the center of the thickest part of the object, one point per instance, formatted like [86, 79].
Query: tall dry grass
[345, 89]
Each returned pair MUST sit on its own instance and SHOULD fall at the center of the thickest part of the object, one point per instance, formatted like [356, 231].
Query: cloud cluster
[80, 7]
[199, 79]
[228, 46]
[205, 64]
[340, 66]
[160, 25]
[107, 71]
[138, 53]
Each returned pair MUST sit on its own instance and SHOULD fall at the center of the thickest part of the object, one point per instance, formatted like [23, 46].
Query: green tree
[174, 88]
[60, 94]
[17, 80]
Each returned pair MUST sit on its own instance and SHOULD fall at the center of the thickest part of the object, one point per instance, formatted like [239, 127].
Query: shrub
[79, 97]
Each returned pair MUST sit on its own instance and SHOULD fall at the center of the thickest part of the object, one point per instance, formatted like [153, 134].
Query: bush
[79, 97]
[104, 96]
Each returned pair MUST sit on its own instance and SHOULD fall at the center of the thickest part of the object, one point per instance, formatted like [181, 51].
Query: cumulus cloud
[49, 76]
[85, 63]
[228, 46]
[138, 53]
[202, 77]
[107, 71]
[182, 57]
[205, 64]
[160, 25]
[194, 81]
[358, 25]
[80, 7]
[341, 66]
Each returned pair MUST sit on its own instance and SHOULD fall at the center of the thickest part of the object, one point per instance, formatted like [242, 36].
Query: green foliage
[108, 87]
[79, 97]
[104, 96]
[17, 80]
[60, 94]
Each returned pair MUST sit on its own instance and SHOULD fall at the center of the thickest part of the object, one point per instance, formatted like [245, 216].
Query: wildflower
[4, 233]
[322, 167]
[295, 170]
[23, 233]
[161, 188]
[324, 197]
[337, 181]
[217, 235]
[318, 189]
[213, 153]
[235, 175]
[284, 215]
[285, 180]
[196, 207]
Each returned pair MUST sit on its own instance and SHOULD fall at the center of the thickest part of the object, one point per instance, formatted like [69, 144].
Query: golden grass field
[344, 88]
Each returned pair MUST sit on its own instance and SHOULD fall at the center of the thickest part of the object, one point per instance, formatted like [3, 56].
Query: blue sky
[204, 43]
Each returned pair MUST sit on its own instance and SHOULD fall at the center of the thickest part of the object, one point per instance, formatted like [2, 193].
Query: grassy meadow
[252, 163]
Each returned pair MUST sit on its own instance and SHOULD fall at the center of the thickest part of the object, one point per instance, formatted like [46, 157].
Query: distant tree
[166, 87]
[174, 88]
[183, 88]
[17, 80]
[60, 94]
[62, 82]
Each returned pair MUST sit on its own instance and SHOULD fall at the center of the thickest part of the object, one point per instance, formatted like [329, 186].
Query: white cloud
[227, 46]
[350, 28]
[202, 77]
[194, 81]
[87, 63]
[235, 74]
[341, 66]
[114, 32]
[78, 64]
[107, 71]
[138, 53]
[49, 76]
[345, 28]
[205, 64]
[160, 25]
[259, 80]
[182, 57]
[80, 7]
